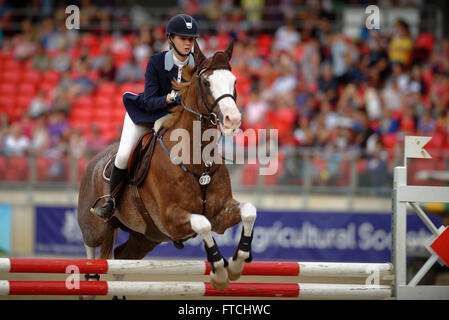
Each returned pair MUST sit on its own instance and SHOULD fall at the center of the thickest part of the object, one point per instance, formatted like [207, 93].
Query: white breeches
[130, 134]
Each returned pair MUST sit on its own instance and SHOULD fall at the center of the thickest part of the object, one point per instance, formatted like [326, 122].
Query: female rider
[145, 108]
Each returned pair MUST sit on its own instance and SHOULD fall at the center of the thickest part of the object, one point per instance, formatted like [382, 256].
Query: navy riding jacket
[151, 104]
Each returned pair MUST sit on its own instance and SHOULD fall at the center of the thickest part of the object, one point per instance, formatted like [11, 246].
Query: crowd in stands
[60, 89]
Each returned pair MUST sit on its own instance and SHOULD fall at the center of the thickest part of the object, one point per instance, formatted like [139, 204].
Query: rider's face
[183, 44]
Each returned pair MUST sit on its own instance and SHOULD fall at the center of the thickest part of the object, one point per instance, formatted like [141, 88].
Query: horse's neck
[192, 133]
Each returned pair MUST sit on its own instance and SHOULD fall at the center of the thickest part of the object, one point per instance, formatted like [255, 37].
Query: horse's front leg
[184, 223]
[218, 275]
[247, 213]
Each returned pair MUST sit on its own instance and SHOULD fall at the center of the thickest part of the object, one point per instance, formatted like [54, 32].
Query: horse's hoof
[219, 279]
[219, 285]
[119, 298]
[235, 267]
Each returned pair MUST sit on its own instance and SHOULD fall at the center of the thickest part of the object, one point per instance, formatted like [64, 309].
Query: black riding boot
[107, 209]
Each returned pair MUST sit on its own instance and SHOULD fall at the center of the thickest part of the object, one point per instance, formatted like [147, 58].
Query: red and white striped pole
[123, 288]
[170, 267]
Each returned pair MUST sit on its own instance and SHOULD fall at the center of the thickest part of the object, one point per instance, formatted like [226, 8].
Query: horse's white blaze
[223, 82]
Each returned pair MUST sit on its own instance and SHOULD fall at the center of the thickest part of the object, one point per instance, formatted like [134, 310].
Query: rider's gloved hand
[178, 99]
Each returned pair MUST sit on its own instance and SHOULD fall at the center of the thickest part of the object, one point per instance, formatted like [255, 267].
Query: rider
[145, 108]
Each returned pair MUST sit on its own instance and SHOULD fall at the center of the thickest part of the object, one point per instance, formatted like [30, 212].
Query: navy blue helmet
[182, 25]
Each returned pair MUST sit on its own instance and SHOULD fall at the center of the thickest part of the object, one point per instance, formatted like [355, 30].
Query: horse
[182, 200]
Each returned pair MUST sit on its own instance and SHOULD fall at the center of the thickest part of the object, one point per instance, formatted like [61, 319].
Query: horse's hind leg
[247, 213]
[105, 253]
[90, 253]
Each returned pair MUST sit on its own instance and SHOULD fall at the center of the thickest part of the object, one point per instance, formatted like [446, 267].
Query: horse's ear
[197, 54]
[229, 49]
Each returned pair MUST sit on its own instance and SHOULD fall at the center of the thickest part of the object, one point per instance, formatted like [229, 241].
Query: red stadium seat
[31, 76]
[80, 115]
[51, 76]
[12, 65]
[23, 101]
[102, 114]
[3, 167]
[47, 87]
[250, 174]
[7, 89]
[107, 89]
[389, 140]
[18, 169]
[425, 40]
[26, 89]
[127, 87]
[84, 102]
[7, 104]
[103, 101]
[12, 76]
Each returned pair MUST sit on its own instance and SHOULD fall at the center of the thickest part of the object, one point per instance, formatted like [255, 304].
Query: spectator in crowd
[40, 61]
[142, 44]
[57, 126]
[62, 61]
[130, 72]
[327, 85]
[16, 143]
[401, 44]
[82, 84]
[337, 90]
[426, 124]
[95, 142]
[77, 143]
[286, 37]
[107, 71]
[254, 112]
[40, 140]
[5, 129]
[23, 47]
[39, 106]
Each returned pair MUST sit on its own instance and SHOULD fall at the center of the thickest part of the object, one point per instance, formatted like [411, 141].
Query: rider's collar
[170, 62]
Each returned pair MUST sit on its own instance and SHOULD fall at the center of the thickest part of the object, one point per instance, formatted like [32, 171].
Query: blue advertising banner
[278, 235]
[5, 228]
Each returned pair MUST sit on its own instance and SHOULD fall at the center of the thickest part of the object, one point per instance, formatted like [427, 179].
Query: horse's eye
[206, 82]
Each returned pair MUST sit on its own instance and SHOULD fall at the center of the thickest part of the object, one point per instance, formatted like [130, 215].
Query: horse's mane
[182, 87]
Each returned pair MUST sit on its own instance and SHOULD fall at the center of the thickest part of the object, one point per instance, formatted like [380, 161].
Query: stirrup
[92, 209]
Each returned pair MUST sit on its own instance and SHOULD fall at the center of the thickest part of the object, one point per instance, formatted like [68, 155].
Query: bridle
[210, 115]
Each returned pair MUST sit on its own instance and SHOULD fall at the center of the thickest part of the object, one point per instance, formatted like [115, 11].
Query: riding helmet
[182, 25]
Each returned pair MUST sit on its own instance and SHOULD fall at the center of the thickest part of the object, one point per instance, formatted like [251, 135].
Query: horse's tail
[108, 245]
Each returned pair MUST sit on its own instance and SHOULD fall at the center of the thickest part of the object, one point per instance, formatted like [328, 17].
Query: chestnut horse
[182, 199]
